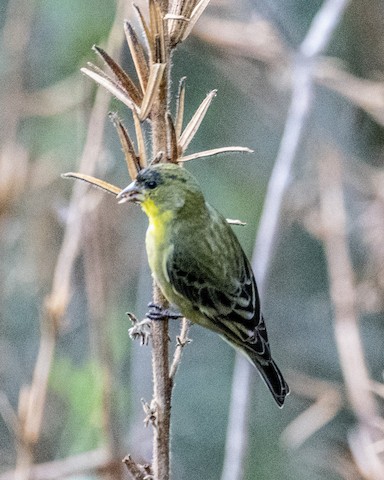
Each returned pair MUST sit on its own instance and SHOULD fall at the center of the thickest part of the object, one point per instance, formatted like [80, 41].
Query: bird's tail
[273, 378]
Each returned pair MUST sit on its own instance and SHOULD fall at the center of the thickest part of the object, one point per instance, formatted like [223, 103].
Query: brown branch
[32, 399]
[9, 416]
[14, 39]
[162, 389]
[97, 461]
[96, 295]
[342, 288]
[137, 472]
[162, 392]
[327, 400]
[346, 323]
[182, 341]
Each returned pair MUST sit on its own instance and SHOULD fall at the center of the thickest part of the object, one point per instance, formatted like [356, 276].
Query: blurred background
[72, 261]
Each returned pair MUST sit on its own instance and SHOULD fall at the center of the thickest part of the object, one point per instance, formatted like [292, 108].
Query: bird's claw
[156, 312]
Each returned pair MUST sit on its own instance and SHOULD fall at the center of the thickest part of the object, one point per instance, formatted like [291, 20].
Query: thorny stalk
[169, 23]
[162, 390]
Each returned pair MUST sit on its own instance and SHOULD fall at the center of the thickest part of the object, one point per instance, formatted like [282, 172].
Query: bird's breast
[158, 242]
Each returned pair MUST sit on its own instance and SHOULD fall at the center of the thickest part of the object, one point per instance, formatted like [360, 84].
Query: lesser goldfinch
[199, 265]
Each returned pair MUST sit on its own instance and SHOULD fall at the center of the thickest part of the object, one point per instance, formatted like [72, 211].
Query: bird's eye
[151, 184]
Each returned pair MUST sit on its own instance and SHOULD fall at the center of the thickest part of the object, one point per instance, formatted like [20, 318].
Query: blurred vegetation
[46, 104]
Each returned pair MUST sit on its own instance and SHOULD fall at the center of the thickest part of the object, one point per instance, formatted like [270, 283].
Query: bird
[200, 267]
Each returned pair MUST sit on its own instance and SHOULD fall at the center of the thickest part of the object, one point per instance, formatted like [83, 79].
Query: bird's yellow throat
[158, 219]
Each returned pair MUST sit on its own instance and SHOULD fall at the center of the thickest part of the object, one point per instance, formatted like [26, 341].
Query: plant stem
[162, 389]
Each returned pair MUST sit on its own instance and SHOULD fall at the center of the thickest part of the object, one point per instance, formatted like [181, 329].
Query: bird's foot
[158, 313]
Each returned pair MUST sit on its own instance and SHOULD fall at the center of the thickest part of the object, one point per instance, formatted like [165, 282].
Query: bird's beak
[132, 193]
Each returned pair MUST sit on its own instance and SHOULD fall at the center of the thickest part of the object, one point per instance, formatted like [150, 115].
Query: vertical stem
[101, 341]
[342, 290]
[346, 322]
[236, 442]
[162, 389]
[160, 361]
[161, 392]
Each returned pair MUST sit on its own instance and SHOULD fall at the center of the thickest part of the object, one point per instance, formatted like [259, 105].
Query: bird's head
[164, 187]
